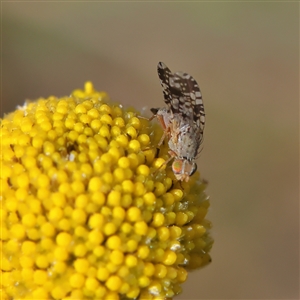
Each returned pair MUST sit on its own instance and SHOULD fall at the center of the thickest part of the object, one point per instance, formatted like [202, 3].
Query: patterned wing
[182, 95]
[164, 74]
[192, 106]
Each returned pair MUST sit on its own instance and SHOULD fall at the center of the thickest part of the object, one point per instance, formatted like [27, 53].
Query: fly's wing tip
[162, 66]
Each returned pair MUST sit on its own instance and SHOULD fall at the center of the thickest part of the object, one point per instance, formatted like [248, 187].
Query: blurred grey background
[245, 57]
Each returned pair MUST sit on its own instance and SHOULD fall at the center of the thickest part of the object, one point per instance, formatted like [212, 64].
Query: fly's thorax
[166, 115]
[183, 168]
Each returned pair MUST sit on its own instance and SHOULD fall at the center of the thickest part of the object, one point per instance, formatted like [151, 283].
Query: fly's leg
[166, 129]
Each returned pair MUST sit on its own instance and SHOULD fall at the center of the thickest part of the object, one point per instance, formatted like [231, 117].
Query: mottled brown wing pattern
[164, 75]
[182, 95]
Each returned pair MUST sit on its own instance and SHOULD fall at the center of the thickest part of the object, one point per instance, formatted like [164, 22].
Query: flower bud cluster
[88, 210]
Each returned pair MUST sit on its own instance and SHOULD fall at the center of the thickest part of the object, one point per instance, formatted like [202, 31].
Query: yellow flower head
[88, 210]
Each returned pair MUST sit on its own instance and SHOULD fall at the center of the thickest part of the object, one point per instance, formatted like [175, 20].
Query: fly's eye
[194, 169]
[177, 166]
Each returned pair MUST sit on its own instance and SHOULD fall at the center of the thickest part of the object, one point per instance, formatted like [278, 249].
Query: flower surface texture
[89, 210]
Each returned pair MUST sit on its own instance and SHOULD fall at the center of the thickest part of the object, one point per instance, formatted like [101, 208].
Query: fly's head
[183, 168]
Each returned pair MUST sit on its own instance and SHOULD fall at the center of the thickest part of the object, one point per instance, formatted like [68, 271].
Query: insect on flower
[183, 120]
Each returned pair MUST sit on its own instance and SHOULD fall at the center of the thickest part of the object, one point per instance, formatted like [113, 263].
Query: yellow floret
[114, 283]
[40, 293]
[63, 239]
[113, 242]
[40, 277]
[90, 209]
[42, 262]
[17, 231]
